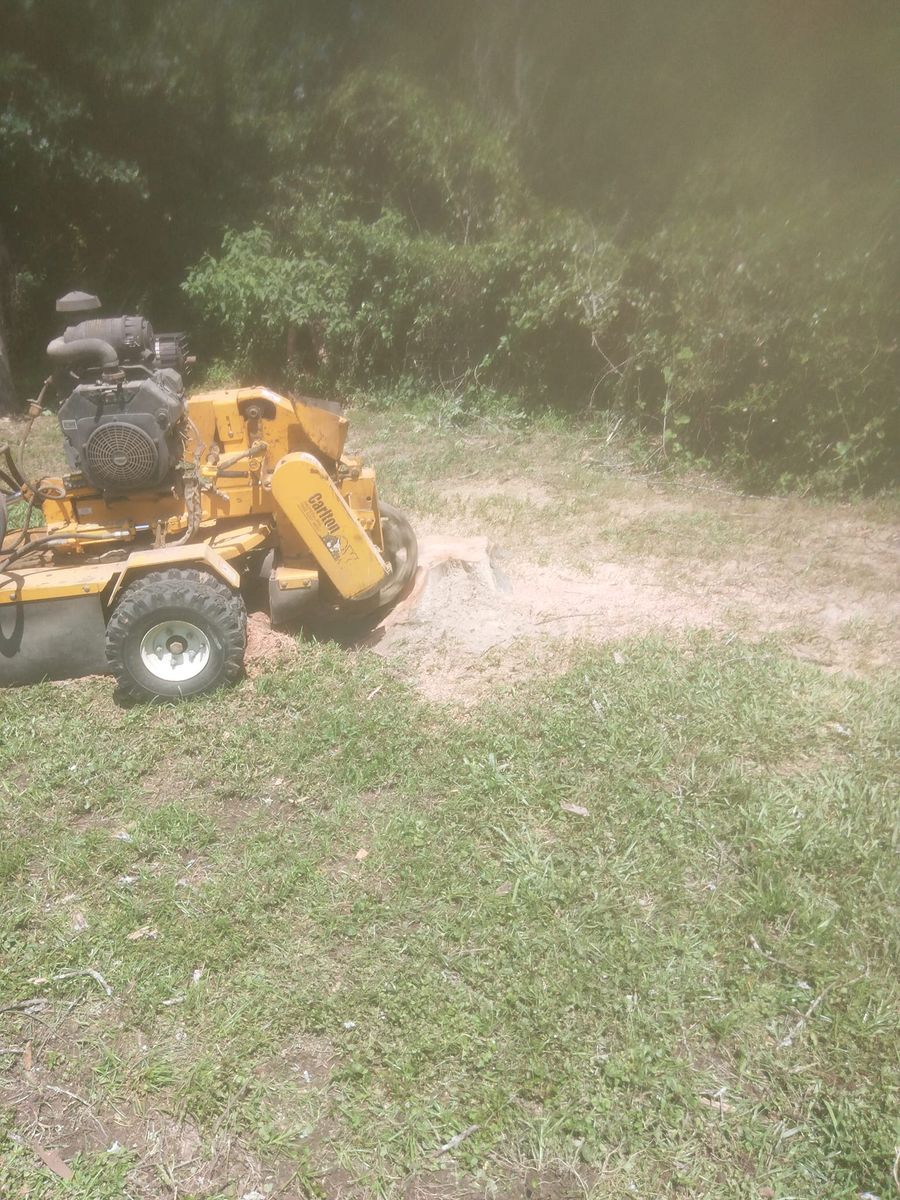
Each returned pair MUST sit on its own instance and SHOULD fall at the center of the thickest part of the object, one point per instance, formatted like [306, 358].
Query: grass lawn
[342, 927]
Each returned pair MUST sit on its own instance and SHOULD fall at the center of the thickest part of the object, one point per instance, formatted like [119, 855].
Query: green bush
[768, 354]
[409, 246]
[756, 335]
[766, 343]
[365, 301]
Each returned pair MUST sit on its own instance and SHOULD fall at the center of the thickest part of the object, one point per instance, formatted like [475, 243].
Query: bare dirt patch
[56, 1111]
[266, 645]
[306, 1062]
[470, 602]
[490, 606]
[478, 617]
[554, 1183]
[593, 548]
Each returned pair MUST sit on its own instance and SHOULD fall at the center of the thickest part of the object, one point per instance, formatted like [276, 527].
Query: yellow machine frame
[263, 492]
[264, 471]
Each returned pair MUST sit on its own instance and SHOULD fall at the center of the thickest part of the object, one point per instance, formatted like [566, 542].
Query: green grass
[43, 455]
[615, 1000]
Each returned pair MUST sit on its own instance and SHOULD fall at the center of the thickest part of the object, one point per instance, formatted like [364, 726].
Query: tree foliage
[687, 213]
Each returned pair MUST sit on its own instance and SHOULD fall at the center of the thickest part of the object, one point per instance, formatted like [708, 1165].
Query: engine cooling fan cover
[119, 455]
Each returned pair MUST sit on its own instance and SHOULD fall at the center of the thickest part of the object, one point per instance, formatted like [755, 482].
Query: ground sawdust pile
[461, 595]
[266, 646]
[483, 614]
[473, 618]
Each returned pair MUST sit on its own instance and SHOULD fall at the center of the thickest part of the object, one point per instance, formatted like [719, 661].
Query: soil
[266, 645]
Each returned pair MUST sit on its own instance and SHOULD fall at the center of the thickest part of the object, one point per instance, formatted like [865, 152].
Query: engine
[126, 434]
[123, 412]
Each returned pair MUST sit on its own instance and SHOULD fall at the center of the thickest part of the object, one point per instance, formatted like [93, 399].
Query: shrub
[766, 342]
[751, 333]
[362, 301]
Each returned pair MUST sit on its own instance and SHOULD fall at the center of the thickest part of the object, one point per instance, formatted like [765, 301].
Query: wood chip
[27, 1057]
[52, 1160]
[578, 809]
[361, 855]
[455, 1141]
[144, 933]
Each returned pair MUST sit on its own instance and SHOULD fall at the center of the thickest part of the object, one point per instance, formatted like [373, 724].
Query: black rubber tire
[176, 594]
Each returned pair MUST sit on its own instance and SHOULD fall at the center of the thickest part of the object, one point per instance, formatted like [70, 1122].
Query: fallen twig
[34, 1002]
[573, 616]
[87, 971]
[615, 429]
[455, 1141]
[65, 1092]
[716, 1100]
[771, 957]
[788, 1038]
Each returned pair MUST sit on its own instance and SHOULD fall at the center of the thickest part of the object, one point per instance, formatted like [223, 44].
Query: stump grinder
[176, 508]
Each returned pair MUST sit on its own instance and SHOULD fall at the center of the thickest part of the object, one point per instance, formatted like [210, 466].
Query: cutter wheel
[401, 551]
[140, 554]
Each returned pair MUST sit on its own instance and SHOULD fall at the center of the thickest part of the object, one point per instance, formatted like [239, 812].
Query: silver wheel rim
[175, 651]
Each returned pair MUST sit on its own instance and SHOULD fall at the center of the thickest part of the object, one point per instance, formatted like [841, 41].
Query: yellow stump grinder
[175, 506]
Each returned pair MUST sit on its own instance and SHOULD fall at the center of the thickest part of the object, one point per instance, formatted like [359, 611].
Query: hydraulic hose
[10, 470]
[56, 539]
